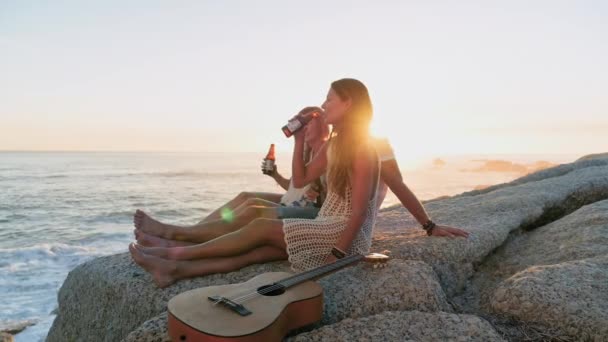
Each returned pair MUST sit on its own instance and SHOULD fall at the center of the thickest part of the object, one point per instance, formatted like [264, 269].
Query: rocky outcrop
[405, 326]
[152, 330]
[490, 218]
[107, 298]
[111, 298]
[560, 170]
[593, 156]
[557, 275]
[571, 296]
[9, 329]
[358, 292]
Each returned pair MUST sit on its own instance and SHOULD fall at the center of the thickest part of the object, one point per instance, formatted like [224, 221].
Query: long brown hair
[353, 132]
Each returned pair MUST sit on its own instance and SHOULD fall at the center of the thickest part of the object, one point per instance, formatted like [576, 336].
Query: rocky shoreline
[7, 332]
[535, 267]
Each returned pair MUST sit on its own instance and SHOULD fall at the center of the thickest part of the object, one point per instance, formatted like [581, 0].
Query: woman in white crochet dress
[343, 226]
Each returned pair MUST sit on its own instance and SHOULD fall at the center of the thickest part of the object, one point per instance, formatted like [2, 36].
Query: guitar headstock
[377, 260]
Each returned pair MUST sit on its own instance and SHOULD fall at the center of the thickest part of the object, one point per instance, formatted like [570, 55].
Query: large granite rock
[582, 234]
[405, 326]
[356, 292]
[556, 275]
[152, 330]
[109, 297]
[560, 170]
[571, 296]
[593, 156]
[490, 218]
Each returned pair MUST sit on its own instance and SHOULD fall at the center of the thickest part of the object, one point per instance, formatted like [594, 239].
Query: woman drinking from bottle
[344, 224]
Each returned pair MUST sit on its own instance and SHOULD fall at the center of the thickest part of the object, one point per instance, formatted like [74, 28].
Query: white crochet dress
[309, 242]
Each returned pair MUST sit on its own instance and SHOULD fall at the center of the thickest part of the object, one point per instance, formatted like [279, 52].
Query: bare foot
[161, 270]
[148, 240]
[147, 224]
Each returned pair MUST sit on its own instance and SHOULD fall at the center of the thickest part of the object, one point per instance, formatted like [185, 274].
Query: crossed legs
[150, 232]
[269, 199]
[261, 240]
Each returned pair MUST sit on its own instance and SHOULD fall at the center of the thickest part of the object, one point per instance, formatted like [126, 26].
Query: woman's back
[322, 232]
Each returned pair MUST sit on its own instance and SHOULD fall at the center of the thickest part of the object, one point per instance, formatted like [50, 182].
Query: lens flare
[227, 215]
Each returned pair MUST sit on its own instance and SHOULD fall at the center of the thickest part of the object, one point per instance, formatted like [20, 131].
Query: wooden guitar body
[194, 317]
[264, 308]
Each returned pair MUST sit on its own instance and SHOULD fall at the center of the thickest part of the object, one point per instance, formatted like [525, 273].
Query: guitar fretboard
[319, 271]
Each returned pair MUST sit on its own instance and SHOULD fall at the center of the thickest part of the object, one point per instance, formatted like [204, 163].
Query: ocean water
[59, 209]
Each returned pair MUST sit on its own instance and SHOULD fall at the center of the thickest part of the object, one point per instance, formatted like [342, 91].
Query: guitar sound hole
[276, 292]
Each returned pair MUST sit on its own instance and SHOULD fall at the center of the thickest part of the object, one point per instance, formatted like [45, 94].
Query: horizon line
[201, 151]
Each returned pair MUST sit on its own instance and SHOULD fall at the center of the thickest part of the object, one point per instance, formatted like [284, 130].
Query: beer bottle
[268, 166]
[298, 122]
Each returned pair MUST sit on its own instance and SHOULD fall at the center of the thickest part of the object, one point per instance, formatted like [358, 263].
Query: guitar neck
[320, 271]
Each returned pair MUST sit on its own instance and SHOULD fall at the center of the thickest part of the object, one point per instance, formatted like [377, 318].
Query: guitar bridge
[238, 308]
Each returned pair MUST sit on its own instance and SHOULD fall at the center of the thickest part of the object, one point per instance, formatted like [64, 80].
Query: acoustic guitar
[264, 308]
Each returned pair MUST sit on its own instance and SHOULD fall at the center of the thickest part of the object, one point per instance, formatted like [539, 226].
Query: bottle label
[268, 165]
[294, 125]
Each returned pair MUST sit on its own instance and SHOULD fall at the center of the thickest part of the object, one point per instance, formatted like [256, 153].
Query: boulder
[593, 156]
[6, 337]
[490, 217]
[556, 275]
[152, 330]
[580, 235]
[405, 326]
[571, 296]
[355, 292]
[15, 327]
[107, 298]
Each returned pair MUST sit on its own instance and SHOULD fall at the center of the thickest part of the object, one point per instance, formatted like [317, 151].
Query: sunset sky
[445, 78]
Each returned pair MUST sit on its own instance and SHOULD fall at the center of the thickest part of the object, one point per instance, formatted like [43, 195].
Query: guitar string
[299, 277]
[242, 299]
[296, 278]
[256, 293]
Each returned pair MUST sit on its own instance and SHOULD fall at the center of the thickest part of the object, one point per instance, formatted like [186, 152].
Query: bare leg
[240, 199]
[166, 272]
[214, 229]
[258, 233]
[210, 230]
[148, 240]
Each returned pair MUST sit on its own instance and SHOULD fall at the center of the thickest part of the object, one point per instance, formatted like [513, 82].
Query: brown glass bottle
[269, 161]
[297, 123]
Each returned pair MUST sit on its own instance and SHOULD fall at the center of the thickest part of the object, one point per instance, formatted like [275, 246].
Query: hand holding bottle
[297, 122]
[268, 164]
[265, 171]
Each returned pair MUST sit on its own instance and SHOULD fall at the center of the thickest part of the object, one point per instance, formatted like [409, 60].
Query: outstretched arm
[392, 177]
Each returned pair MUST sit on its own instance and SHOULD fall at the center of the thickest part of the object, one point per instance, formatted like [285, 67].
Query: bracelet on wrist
[428, 227]
[338, 253]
